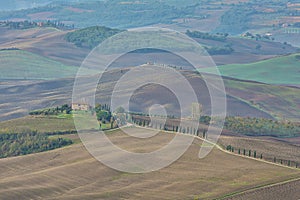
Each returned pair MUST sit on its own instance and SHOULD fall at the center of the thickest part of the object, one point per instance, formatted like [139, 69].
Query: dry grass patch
[71, 173]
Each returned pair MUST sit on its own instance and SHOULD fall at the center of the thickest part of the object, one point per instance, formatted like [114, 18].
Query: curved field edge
[251, 193]
[71, 173]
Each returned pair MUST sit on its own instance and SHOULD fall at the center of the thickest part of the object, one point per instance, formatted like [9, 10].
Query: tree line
[254, 154]
[207, 36]
[53, 111]
[186, 128]
[262, 127]
[32, 24]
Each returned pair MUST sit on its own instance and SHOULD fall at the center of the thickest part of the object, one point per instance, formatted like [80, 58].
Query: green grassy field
[279, 70]
[49, 124]
[40, 124]
[18, 64]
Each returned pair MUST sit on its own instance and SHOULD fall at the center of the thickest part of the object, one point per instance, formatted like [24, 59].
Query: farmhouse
[81, 107]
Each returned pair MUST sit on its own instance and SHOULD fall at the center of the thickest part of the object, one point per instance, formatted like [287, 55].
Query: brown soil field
[268, 146]
[72, 173]
[48, 42]
[289, 190]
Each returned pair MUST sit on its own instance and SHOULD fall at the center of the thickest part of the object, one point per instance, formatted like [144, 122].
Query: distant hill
[21, 4]
[90, 37]
[282, 70]
[112, 13]
[18, 64]
[244, 98]
[52, 43]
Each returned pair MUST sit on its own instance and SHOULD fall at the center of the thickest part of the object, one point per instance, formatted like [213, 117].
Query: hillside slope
[47, 42]
[71, 173]
[282, 70]
[243, 98]
[52, 43]
[18, 64]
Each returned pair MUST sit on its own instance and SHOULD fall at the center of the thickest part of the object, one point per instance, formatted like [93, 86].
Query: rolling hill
[21, 4]
[243, 98]
[19, 64]
[52, 43]
[282, 70]
[46, 42]
[72, 173]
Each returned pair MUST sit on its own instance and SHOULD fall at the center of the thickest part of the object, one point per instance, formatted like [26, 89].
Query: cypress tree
[228, 148]
[244, 152]
[254, 154]
[249, 153]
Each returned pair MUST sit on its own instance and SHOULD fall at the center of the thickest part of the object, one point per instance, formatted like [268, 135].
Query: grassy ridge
[280, 70]
[18, 64]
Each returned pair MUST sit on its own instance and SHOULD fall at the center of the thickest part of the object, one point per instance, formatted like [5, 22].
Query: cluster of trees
[254, 154]
[214, 50]
[262, 127]
[219, 50]
[236, 20]
[258, 36]
[15, 144]
[10, 49]
[103, 113]
[31, 24]
[207, 36]
[53, 111]
[90, 37]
